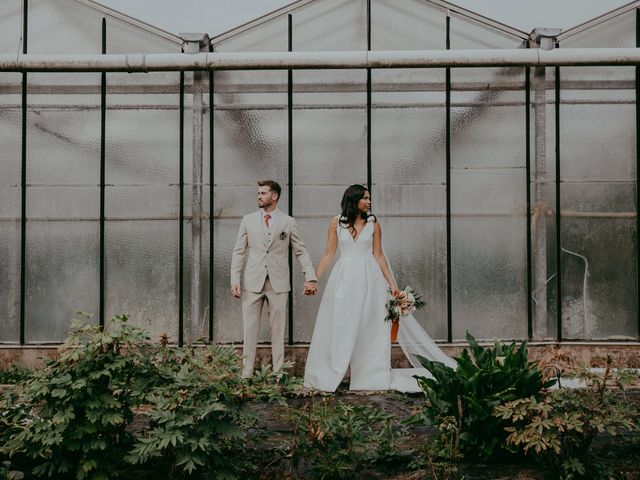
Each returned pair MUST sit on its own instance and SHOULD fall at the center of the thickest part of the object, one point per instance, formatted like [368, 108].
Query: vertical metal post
[195, 43]
[211, 215]
[181, 220]
[23, 182]
[448, 186]
[527, 139]
[638, 171]
[369, 175]
[558, 211]
[290, 168]
[103, 118]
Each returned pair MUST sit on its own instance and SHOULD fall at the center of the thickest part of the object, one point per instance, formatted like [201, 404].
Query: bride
[350, 329]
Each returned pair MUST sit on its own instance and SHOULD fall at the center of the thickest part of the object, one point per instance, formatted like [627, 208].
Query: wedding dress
[350, 329]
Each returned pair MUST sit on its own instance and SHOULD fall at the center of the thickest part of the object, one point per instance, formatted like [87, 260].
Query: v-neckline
[359, 234]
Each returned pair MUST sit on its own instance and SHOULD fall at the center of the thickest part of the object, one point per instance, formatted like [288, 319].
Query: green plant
[560, 426]
[339, 440]
[484, 379]
[74, 412]
[14, 374]
[199, 416]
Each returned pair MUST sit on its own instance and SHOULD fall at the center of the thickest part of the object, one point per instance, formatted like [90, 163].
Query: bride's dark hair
[350, 213]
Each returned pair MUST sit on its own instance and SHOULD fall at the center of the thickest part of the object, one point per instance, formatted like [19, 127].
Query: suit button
[267, 252]
[265, 266]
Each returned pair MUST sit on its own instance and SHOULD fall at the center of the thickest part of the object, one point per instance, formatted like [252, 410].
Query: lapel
[276, 226]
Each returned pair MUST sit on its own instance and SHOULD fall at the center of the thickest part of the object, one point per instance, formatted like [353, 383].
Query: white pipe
[320, 60]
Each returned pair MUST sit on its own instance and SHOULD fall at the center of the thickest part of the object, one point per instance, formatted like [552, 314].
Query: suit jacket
[267, 253]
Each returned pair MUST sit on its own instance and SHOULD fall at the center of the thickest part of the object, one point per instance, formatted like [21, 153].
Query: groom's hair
[272, 184]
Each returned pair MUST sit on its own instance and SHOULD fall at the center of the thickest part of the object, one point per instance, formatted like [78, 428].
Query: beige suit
[266, 277]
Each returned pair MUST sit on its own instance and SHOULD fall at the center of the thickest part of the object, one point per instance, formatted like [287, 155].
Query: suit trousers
[252, 304]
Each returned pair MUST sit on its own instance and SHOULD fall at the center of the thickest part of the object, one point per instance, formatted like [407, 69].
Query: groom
[264, 238]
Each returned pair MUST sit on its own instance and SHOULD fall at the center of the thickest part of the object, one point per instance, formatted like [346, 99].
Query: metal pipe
[319, 60]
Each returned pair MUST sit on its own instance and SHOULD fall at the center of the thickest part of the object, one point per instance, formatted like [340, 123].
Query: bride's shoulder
[371, 218]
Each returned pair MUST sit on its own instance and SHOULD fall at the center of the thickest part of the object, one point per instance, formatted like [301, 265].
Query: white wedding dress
[350, 329]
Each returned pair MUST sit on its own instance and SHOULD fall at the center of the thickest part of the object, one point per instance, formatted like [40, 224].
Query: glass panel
[63, 165]
[488, 277]
[488, 205]
[330, 25]
[10, 273]
[599, 263]
[10, 26]
[543, 261]
[618, 32]
[408, 170]
[330, 152]
[408, 25]
[62, 276]
[250, 144]
[142, 205]
[141, 260]
[10, 181]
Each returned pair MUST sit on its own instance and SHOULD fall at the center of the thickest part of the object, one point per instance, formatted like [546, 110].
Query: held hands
[235, 290]
[310, 288]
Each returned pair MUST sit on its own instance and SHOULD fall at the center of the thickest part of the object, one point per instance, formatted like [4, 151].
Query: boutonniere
[283, 236]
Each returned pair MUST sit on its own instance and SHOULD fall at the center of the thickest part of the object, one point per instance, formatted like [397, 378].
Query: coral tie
[267, 217]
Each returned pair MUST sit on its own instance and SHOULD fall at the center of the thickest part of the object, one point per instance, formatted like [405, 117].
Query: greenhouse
[122, 191]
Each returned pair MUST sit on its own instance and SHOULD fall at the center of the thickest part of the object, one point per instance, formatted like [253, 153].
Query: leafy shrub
[73, 418]
[339, 440]
[561, 425]
[484, 379]
[198, 417]
[14, 374]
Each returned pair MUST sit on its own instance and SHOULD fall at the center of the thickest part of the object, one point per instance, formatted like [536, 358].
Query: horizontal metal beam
[319, 60]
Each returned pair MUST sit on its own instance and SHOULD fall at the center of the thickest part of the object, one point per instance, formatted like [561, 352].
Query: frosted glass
[599, 197]
[408, 145]
[11, 141]
[489, 277]
[10, 203]
[146, 202]
[618, 32]
[251, 89]
[305, 308]
[543, 255]
[409, 200]
[10, 284]
[408, 25]
[250, 145]
[485, 192]
[329, 148]
[63, 143]
[63, 202]
[598, 141]
[330, 25]
[271, 36]
[235, 201]
[483, 136]
[609, 246]
[417, 252]
[82, 27]
[141, 262]
[10, 26]
[62, 277]
[143, 142]
[467, 33]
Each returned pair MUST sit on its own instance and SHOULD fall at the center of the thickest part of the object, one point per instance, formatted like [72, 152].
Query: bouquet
[404, 302]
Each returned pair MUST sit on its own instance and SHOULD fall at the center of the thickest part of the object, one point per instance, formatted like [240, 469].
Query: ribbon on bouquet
[395, 326]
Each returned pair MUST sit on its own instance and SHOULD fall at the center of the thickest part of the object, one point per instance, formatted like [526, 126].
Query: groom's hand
[235, 290]
[310, 288]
